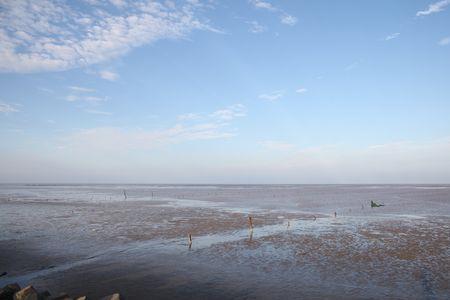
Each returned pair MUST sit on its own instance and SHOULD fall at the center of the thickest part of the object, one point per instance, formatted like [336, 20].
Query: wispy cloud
[301, 90]
[285, 18]
[59, 35]
[95, 99]
[392, 36]
[46, 90]
[229, 113]
[352, 66]
[92, 99]
[98, 112]
[277, 145]
[79, 93]
[119, 3]
[263, 5]
[81, 89]
[288, 20]
[211, 126]
[72, 98]
[255, 27]
[221, 115]
[188, 117]
[444, 41]
[108, 75]
[274, 96]
[434, 8]
[113, 138]
[8, 108]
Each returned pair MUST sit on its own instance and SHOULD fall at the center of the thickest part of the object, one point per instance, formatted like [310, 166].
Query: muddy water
[91, 240]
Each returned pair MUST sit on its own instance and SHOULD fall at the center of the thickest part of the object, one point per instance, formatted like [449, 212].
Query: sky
[209, 91]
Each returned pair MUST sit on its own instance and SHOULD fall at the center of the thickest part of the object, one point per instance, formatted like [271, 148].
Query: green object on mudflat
[373, 204]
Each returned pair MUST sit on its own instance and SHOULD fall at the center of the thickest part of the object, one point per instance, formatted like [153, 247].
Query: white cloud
[288, 19]
[219, 116]
[98, 112]
[301, 90]
[118, 3]
[274, 96]
[46, 90]
[108, 75]
[392, 36]
[229, 113]
[113, 138]
[277, 145]
[188, 117]
[79, 94]
[92, 99]
[285, 18]
[434, 8]
[444, 41]
[255, 27]
[58, 35]
[72, 98]
[263, 5]
[81, 89]
[7, 108]
[352, 66]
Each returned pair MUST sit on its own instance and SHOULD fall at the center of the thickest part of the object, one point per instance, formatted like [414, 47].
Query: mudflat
[94, 241]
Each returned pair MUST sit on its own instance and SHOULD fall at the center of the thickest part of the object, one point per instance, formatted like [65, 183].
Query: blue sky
[225, 91]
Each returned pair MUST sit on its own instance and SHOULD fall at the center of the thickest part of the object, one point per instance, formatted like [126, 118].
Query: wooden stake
[250, 223]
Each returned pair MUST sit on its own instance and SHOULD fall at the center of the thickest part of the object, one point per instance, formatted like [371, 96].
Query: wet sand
[139, 247]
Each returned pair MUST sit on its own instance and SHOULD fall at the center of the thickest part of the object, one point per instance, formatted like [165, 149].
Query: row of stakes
[250, 227]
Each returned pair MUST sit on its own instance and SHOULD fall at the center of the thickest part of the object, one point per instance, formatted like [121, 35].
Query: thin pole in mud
[250, 223]
[190, 240]
[288, 224]
[335, 214]
[125, 194]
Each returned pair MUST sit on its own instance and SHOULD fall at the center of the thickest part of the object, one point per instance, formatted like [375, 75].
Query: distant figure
[250, 223]
[125, 194]
[288, 224]
[373, 204]
[335, 214]
[190, 240]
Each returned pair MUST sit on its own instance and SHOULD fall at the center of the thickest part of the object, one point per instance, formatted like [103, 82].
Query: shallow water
[89, 239]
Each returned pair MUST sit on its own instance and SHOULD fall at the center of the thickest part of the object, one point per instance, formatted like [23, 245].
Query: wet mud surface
[139, 247]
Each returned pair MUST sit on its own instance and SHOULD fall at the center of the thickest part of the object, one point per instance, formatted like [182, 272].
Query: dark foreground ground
[298, 250]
